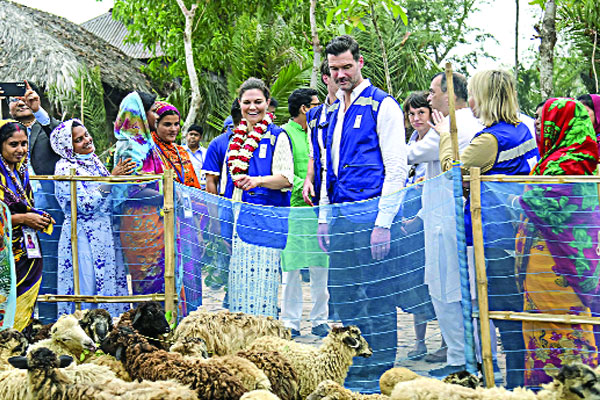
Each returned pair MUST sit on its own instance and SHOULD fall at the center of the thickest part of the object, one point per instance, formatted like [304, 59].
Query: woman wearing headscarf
[261, 167]
[99, 273]
[15, 192]
[562, 264]
[591, 103]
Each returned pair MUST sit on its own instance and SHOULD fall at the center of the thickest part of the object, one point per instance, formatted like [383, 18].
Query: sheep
[144, 361]
[226, 332]
[150, 320]
[12, 343]
[314, 365]
[96, 323]
[67, 338]
[330, 390]
[573, 382]
[259, 395]
[249, 374]
[463, 378]
[285, 382]
[46, 381]
[392, 376]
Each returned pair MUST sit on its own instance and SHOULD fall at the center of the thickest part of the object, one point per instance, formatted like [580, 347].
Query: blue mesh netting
[541, 250]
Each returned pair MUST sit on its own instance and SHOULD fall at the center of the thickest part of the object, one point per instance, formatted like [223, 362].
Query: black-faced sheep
[225, 332]
[285, 382]
[96, 323]
[48, 382]
[150, 320]
[330, 390]
[67, 338]
[314, 365]
[12, 343]
[144, 361]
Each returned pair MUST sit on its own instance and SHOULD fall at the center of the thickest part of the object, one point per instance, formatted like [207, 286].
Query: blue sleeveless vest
[517, 155]
[267, 224]
[360, 171]
[317, 129]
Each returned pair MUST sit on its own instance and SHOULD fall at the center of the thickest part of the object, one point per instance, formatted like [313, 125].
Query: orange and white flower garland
[242, 146]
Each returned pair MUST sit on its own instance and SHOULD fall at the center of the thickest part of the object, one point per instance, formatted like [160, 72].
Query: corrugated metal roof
[114, 32]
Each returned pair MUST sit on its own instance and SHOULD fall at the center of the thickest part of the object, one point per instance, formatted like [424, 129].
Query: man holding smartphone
[27, 109]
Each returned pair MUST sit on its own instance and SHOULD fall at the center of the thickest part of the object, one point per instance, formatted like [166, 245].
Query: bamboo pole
[169, 235]
[452, 111]
[82, 89]
[56, 298]
[112, 178]
[482, 282]
[544, 317]
[74, 244]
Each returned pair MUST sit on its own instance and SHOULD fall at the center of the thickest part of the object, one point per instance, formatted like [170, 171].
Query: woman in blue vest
[505, 146]
[261, 167]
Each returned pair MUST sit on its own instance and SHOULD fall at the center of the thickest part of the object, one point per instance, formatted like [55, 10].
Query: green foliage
[352, 13]
[68, 104]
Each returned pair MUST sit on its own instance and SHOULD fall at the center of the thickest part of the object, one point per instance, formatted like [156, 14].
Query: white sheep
[259, 395]
[46, 381]
[67, 337]
[330, 390]
[314, 365]
[573, 382]
[227, 333]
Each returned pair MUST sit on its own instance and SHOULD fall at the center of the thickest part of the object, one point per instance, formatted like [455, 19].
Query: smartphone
[8, 89]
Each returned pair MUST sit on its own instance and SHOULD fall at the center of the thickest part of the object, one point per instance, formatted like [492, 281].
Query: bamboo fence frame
[452, 111]
[170, 296]
[482, 283]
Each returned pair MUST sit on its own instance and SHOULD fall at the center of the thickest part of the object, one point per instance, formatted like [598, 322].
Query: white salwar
[254, 271]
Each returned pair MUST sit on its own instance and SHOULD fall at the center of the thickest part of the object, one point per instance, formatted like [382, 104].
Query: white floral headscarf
[61, 140]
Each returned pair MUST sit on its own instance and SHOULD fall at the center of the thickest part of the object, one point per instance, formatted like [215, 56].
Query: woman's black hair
[587, 101]
[254, 83]
[164, 114]
[147, 100]
[76, 124]
[8, 129]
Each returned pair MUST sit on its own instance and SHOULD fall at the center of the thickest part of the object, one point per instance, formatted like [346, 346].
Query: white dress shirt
[392, 144]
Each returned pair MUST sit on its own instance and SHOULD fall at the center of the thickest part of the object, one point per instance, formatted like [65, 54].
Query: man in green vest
[302, 249]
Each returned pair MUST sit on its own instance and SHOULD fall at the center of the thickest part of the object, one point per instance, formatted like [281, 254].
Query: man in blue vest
[366, 159]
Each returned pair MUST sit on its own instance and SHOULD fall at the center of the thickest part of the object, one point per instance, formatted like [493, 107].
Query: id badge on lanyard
[187, 205]
[32, 245]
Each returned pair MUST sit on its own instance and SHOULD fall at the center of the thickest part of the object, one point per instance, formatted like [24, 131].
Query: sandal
[417, 354]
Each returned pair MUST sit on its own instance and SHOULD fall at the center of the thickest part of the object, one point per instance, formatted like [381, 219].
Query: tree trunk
[316, 69]
[517, 41]
[189, 62]
[386, 67]
[548, 35]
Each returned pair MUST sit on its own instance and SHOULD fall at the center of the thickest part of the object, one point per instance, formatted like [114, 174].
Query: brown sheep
[285, 382]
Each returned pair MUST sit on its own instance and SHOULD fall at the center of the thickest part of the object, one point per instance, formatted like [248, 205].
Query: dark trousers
[45, 200]
[363, 292]
[504, 295]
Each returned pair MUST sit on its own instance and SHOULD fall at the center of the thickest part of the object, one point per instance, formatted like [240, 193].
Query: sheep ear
[137, 316]
[19, 362]
[65, 361]
[351, 342]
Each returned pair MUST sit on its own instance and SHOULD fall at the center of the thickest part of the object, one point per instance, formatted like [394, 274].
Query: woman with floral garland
[261, 167]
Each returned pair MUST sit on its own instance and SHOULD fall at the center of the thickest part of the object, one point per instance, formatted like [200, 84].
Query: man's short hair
[342, 44]
[460, 85]
[298, 98]
[273, 102]
[196, 128]
[325, 67]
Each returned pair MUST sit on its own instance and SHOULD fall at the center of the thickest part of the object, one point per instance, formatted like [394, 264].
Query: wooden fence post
[482, 282]
[169, 237]
[74, 244]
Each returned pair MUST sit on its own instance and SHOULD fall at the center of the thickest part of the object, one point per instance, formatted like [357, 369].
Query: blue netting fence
[541, 243]
[236, 256]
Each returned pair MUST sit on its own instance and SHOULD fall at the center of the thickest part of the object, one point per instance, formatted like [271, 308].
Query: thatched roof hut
[49, 50]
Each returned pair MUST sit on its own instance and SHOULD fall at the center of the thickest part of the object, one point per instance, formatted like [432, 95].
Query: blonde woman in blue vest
[504, 146]
[261, 166]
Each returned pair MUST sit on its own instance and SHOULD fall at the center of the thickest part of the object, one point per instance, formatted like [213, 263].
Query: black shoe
[320, 330]
[446, 370]
[295, 333]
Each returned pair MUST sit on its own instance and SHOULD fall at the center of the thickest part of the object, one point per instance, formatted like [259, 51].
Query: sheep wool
[314, 365]
[285, 382]
[225, 332]
[392, 376]
[249, 374]
[67, 338]
[330, 390]
[12, 343]
[259, 395]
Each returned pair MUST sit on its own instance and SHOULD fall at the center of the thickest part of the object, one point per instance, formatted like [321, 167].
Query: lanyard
[179, 174]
